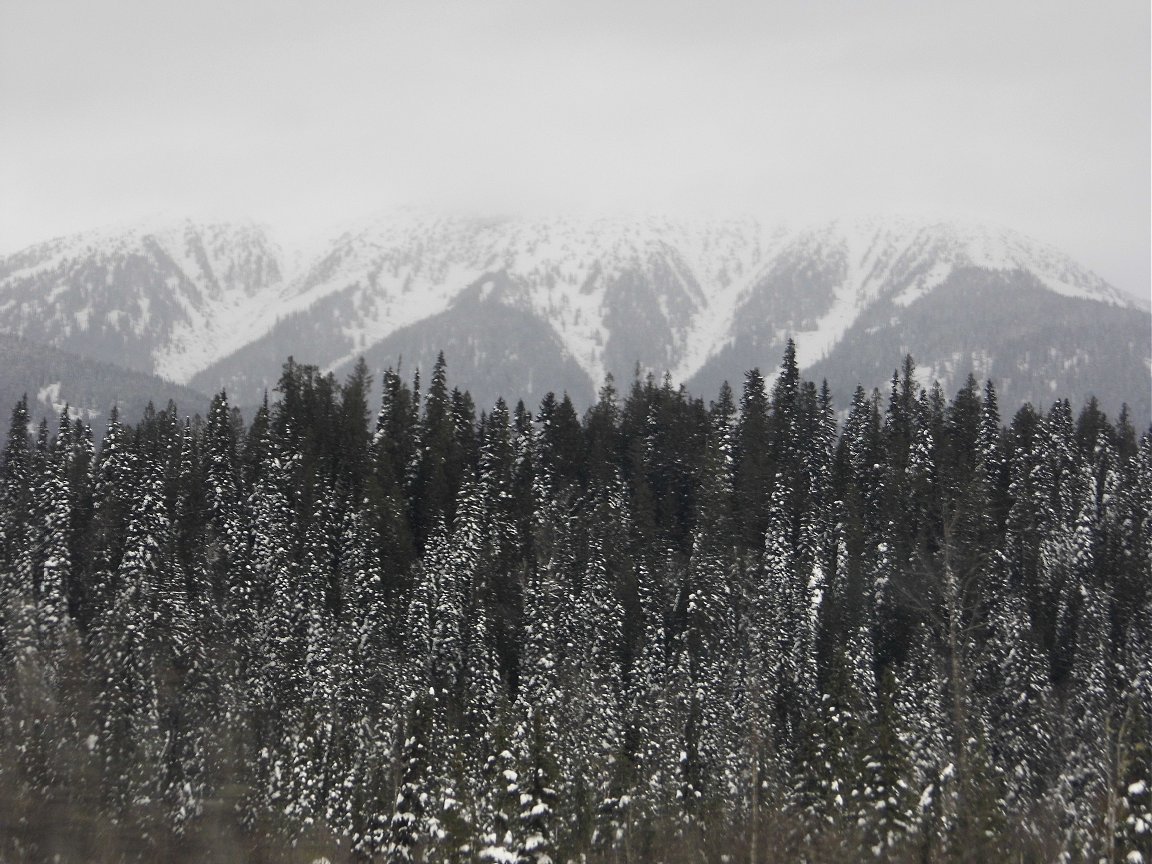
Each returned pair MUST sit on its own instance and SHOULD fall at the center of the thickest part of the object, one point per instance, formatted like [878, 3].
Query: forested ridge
[742, 630]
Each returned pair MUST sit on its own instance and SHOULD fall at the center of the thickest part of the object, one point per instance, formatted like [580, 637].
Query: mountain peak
[705, 299]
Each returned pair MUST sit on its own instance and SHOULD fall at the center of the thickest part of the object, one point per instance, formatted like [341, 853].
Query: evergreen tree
[663, 631]
[436, 460]
[711, 764]
[536, 713]
[223, 540]
[129, 741]
[752, 465]
[1082, 785]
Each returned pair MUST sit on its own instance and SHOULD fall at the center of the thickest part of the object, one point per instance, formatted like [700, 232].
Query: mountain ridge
[219, 305]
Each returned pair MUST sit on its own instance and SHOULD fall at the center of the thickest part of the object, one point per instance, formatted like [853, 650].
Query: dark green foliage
[663, 632]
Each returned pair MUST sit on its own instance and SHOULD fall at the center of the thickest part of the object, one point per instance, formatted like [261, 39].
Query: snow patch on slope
[728, 259]
[905, 259]
[214, 276]
[231, 284]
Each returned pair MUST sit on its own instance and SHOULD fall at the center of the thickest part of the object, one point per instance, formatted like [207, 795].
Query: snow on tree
[129, 740]
[660, 629]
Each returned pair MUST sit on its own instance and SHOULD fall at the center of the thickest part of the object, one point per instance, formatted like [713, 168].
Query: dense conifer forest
[745, 630]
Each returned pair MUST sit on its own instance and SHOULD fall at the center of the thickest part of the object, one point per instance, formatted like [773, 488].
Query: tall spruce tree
[529, 642]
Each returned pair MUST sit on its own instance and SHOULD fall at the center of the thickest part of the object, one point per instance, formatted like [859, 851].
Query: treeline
[664, 631]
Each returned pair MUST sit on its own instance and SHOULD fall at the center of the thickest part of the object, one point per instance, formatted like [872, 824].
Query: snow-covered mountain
[56, 380]
[847, 282]
[526, 305]
[824, 278]
[165, 299]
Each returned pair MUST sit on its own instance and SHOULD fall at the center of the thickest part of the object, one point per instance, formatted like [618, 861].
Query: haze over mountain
[521, 306]
[56, 380]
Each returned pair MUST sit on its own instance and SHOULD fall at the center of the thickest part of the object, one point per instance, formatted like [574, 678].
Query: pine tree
[113, 491]
[15, 484]
[223, 541]
[852, 782]
[18, 636]
[458, 641]
[536, 713]
[1129, 812]
[925, 805]
[752, 467]
[409, 829]
[129, 741]
[560, 445]
[1018, 701]
[436, 458]
[502, 516]
[55, 505]
[365, 673]
[593, 742]
[652, 722]
[712, 763]
[1082, 785]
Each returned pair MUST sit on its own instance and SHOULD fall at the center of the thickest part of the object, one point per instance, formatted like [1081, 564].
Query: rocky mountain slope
[521, 306]
[56, 380]
[165, 299]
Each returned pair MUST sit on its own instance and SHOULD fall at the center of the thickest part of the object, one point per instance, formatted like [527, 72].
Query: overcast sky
[1035, 115]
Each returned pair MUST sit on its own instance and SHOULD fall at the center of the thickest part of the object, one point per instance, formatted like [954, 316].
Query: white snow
[405, 266]
[49, 393]
[926, 798]
[499, 854]
[731, 260]
[923, 285]
[868, 246]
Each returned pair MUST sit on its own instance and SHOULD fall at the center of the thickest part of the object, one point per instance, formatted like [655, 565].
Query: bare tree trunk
[1117, 765]
[752, 842]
